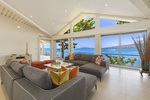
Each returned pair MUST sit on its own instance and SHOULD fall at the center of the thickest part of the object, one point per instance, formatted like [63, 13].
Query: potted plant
[143, 46]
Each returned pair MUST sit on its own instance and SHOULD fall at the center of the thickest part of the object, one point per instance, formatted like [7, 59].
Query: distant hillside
[124, 46]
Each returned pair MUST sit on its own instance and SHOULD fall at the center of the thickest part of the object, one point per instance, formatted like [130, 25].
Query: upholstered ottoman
[49, 61]
[92, 68]
[38, 64]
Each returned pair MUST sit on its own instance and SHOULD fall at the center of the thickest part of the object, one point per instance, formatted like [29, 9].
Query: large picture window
[120, 49]
[85, 45]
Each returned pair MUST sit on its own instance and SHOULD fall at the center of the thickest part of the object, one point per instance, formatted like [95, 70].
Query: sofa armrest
[74, 89]
[105, 63]
[67, 58]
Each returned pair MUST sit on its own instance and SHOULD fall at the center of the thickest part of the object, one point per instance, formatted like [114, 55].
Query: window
[44, 49]
[85, 45]
[86, 23]
[105, 22]
[120, 49]
[61, 48]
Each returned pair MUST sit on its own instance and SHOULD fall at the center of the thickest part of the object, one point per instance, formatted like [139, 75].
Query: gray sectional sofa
[86, 62]
[23, 82]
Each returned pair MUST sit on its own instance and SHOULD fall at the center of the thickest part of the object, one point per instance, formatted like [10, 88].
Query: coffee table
[57, 67]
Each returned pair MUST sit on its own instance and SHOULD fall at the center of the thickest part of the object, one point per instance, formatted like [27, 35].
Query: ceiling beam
[18, 13]
[142, 7]
[117, 16]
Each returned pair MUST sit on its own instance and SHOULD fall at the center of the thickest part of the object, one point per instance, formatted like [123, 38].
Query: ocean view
[126, 52]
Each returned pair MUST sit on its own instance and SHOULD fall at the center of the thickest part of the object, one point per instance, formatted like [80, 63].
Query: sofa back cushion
[77, 57]
[18, 68]
[10, 61]
[85, 57]
[38, 77]
[93, 58]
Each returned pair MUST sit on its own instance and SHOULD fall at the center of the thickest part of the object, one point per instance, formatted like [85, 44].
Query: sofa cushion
[49, 61]
[94, 69]
[59, 77]
[79, 62]
[18, 68]
[38, 77]
[73, 71]
[85, 57]
[9, 62]
[77, 57]
[71, 56]
[99, 60]
[93, 58]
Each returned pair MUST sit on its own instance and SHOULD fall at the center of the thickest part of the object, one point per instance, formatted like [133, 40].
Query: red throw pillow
[72, 71]
[99, 60]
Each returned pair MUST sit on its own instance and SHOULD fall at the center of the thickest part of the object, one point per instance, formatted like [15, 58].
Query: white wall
[13, 40]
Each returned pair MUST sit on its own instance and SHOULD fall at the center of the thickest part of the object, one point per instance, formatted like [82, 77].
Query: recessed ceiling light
[65, 10]
[106, 5]
[52, 23]
[18, 26]
[79, 4]
[31, 16]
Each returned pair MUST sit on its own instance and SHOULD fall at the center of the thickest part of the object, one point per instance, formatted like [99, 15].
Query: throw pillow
[99, 60]
[71, 56]
[23, 61]
[59, 78]
[72, 71]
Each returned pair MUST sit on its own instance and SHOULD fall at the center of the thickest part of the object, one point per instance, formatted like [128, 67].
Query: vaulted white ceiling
[53, 15]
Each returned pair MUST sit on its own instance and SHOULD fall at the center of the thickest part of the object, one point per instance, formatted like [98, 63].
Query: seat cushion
[38, 77]
[77, 62]
[93, 69]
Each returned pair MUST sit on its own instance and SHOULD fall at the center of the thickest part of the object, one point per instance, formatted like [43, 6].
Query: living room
[15, 34]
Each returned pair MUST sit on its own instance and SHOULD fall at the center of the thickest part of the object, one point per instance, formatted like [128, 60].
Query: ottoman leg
[95, 86]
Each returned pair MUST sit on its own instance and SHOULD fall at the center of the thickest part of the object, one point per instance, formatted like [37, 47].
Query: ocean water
[126, 52]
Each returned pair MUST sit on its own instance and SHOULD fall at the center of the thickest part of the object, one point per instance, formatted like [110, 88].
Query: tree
[121, 22]
[84, 25]
[80, 26]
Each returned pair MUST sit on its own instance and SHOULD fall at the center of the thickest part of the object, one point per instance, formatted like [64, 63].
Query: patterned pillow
[72, 71]
[99, 60]
[59, 78]
[71, 56]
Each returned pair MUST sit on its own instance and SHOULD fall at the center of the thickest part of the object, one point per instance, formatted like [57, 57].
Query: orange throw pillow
[98, 60]
[72, 71]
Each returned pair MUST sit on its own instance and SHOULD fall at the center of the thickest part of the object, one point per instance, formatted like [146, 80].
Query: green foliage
[84, 25]
[68, 31]
[131, 61]
[122, 22]
[65, 45]
[122, 61]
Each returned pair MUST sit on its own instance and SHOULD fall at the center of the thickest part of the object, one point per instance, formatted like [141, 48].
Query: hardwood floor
[117, 84]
